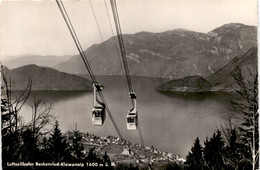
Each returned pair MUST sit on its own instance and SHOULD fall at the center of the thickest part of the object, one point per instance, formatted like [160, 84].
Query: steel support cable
[140, 134]
[104, 46]
[74, 36]
[139, 127]
[101, 37]
[110, 115]
[111, 28]
[122, 48]
[83, 56]
[125, 57]
[98, 27]
[121, 43]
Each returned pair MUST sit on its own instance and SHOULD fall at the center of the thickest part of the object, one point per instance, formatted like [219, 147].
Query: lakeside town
[124, 152]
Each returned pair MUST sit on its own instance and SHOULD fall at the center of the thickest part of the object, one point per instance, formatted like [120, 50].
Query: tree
[92, 156]
[44, 148]
[11, 104]
[213, 151]
[106, 160]
[77, 147]
[171, 166]
[246, 104]
[11, 124]
[232, 150]
[58, 147]
[126, 167]
[41, 116]
[29, 148]
[194, 159]
[33, 137]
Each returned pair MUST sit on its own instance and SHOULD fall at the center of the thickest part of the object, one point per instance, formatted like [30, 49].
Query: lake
[168, 121]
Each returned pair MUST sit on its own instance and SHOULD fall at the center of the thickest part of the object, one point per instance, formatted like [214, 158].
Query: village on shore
[124, 152]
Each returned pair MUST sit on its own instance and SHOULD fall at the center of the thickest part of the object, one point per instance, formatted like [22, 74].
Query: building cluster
[122, 151]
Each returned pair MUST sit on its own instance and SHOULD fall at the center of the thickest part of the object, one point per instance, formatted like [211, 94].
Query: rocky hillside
[222, 80]
[176, 53]
[44, 78]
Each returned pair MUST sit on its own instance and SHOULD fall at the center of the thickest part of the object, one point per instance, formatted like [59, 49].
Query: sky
[37, 27]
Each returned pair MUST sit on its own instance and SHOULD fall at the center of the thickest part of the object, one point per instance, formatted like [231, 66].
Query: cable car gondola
[132, 120]
[99, 110]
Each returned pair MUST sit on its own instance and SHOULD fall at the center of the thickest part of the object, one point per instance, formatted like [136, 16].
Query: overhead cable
[84, 58]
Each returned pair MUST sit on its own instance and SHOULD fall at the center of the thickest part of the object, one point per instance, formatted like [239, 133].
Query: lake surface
[169, 121]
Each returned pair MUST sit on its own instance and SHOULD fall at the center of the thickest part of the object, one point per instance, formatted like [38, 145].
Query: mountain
[187, 84]
[176, 53]
[222, 80]
[44, 78]
[22, 60]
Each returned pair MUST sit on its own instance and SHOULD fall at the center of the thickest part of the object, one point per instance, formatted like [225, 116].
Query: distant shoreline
[191, 90]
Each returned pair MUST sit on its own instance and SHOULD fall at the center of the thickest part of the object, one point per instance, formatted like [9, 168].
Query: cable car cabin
[131, 118]
[98, 116]
[99, 110]
[131, 121]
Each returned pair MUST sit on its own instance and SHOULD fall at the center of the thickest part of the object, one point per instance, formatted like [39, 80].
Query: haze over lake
[168, 122]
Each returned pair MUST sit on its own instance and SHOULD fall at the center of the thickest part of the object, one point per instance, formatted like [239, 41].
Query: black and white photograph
[129, 84]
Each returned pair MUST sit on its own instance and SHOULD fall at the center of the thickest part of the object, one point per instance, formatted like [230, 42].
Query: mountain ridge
[22, 60]
[221, 80]
[174, 54]
[44, 78]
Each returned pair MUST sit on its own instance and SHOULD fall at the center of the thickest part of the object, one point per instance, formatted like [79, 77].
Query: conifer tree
[58, 147]
[232, 150]
[213, 151]
[29, 149]
[194, 159]
[44, 149]
[77, 147]
[247, 104]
